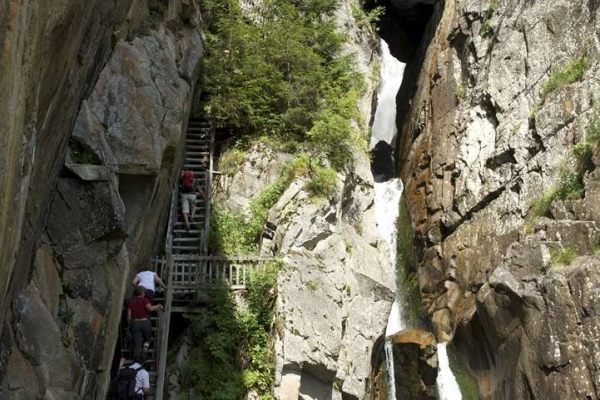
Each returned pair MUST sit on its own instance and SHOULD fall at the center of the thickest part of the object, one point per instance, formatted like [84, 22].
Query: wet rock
[482, 140]
[415, 364]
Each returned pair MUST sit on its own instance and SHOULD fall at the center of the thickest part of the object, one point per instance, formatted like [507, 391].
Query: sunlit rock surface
[479, 146]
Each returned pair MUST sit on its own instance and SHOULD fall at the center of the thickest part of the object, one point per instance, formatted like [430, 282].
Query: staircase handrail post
[208, 190]
[164, 320]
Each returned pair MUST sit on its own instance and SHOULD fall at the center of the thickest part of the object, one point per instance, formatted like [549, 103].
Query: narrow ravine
[388, 193]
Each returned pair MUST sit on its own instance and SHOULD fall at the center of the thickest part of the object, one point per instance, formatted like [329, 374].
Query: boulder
[415, 364]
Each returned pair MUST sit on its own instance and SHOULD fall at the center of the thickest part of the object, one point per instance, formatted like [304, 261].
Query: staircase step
[186, 247]
[197, 169]
[191, 160]
[191, 231]
[181, 239]
[197, 153]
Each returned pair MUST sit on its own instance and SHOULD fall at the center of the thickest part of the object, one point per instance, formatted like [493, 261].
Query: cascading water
[387, 194]
[448, 388]
[384, 122]
[387, 198]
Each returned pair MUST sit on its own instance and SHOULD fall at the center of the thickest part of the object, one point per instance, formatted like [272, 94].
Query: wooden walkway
[186, 267]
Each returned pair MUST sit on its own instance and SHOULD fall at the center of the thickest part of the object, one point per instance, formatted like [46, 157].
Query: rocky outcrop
[415, 365]
[105, 217]
[505, 91]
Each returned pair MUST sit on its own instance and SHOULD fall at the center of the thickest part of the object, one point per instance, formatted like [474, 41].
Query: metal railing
[193, 271]
[166, 265]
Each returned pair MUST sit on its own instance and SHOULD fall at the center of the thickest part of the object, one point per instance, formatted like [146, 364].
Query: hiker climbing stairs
[186, 267]
[197, 159]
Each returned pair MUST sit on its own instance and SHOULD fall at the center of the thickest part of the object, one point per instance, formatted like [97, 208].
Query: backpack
[187, 181]
[124, 384]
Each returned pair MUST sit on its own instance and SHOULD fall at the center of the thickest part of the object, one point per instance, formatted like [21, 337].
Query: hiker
[138, 318]
[147, 279]
[187, 189]
[133, 381]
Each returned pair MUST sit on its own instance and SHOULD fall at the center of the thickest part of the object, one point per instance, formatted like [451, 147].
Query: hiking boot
[145, 347]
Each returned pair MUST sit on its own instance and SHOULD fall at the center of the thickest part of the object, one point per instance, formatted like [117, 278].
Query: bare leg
[186, 220]
[193, 211]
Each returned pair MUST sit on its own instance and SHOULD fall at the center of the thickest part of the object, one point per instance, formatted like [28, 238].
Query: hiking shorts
[188, 200]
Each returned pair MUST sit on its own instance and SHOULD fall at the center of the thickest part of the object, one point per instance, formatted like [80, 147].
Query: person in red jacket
[138, 318]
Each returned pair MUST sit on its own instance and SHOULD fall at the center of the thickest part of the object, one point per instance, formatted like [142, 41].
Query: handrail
[165, 317]
[208, 190]
[194, 257]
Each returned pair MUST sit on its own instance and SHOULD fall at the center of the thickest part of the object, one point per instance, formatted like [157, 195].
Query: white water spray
[387, 194]
[387, 198]
[446, 382]
[384, 123]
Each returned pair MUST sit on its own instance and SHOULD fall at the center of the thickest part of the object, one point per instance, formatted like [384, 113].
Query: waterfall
[388, 193]
[446, 382]
[384, 123]
[387, 198]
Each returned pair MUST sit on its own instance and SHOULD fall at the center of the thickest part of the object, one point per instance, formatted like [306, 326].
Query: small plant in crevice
[487, 20]
[66, 317]
[570, 73]
[562, 256]
[157, 10]
[81, 154]
[461, 91]
[312, 286]
[541, 206]
[406, 277]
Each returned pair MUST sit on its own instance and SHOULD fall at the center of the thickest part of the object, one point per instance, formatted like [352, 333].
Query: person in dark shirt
[138, 318]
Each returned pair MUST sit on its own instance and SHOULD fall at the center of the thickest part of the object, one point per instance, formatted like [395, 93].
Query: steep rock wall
[50, 55]
[482, 139]
[106, 216]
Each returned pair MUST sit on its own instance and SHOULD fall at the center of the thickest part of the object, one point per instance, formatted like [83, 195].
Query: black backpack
[124, 384]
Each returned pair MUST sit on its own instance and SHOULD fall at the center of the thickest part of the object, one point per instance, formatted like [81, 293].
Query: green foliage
[232, 350]
[466, 381]
[571, 185]
[461, 91]
[487, 22]
[572, 72]
[563, 256]
[157, 9]
[231, 161]
[80, 154]
[322, 183]
[234, 234]
[312, 286]
[593, 131]
[541, 206]
[66, 316]
[405, 269]
[367, 19]
[280, 73]
[228, 233]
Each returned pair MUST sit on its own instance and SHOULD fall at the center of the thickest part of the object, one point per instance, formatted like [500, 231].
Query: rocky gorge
[498, 130]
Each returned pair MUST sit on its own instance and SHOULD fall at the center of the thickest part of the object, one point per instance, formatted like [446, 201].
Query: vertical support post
[208, 190]
[165, 317]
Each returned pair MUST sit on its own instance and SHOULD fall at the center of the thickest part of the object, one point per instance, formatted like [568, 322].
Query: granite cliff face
[91, 181]
[504, 93]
